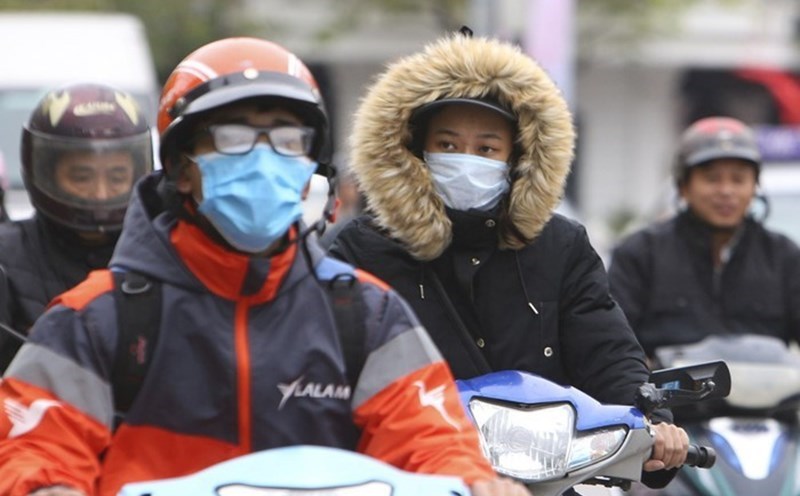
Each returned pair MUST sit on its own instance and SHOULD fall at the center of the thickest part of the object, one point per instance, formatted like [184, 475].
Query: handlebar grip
[701, 456]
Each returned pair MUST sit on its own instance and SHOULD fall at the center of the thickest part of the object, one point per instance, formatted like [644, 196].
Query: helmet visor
[95, 176]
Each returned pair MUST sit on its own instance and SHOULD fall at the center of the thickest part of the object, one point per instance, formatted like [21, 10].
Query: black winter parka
[544, 309]
[516, 288]
[664, 279]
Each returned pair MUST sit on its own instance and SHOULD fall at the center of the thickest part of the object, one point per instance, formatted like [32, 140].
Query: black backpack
[138, 304]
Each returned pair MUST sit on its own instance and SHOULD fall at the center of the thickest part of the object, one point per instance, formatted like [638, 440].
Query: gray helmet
[715, 138]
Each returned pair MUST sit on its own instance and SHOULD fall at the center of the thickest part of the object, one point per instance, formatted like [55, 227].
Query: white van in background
[43, 50]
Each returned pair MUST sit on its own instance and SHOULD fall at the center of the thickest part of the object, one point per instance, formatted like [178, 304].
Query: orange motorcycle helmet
[233, 70]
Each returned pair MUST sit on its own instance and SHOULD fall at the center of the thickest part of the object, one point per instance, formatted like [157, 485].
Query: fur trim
[397, 184]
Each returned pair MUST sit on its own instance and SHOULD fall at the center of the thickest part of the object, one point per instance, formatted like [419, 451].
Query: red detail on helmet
[713, 125]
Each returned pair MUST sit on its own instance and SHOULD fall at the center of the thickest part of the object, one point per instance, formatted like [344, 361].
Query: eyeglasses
[238, 139]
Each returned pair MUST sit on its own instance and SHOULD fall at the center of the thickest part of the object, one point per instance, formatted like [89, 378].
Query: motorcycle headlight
[539, 443]
[373, 488]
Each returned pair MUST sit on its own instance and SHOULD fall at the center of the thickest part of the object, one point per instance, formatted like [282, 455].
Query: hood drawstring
[522, 283]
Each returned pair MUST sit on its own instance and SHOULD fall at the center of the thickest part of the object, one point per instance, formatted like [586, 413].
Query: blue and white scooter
[755, 429]
[301, 470]
[553, 438]
[548, 436]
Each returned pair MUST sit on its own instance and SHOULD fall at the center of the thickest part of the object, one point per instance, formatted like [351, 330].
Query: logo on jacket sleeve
[26, 418]
[317, 390]
[435, 398]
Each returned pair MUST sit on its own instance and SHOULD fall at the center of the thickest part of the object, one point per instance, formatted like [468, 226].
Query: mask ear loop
[328, 214]
[329, 210]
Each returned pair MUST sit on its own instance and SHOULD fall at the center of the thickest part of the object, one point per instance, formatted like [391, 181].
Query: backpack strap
[138, 303]
[347, 303]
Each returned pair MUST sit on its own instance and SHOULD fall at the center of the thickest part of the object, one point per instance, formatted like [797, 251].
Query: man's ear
[184, 181]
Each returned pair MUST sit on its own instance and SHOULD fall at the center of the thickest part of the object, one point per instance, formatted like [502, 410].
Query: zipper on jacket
[243, 377]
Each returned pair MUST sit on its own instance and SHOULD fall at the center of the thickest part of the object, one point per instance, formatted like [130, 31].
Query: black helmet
[715, 138]
[83, 148]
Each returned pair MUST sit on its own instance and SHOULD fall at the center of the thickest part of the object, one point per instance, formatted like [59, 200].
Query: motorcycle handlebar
[701, 456]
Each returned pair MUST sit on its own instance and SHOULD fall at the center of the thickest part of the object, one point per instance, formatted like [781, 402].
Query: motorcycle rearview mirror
[684, 385]
[695, 378]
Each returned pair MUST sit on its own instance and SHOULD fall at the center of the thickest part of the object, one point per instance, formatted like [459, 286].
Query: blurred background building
[636, 72]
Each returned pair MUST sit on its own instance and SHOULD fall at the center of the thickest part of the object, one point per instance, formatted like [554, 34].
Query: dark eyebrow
[224, 120]
[450, 132]
[285, 122]
[490, 135]
[81, 167]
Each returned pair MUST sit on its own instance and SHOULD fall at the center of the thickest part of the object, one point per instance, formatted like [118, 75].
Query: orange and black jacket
[247, 359]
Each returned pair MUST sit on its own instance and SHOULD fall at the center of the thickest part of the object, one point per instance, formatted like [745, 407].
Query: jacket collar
[474, 229]
[698, 233]
[228, 274]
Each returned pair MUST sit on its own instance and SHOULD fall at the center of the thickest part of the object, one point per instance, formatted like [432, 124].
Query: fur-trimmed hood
[397, 184]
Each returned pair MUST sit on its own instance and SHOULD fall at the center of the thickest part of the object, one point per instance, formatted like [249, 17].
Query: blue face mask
[467, 181]
[253, 199]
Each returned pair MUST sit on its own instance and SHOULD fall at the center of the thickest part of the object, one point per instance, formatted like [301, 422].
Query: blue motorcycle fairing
[526, 388]
[299, 467]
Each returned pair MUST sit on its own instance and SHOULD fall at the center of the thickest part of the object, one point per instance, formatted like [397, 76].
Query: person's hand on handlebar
[669, 448]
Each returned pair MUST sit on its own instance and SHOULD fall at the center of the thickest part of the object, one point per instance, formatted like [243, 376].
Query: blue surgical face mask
[253, 199]
[467, 181]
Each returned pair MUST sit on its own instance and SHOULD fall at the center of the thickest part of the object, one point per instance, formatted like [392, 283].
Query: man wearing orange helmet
[83, 148]
[248, 353]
